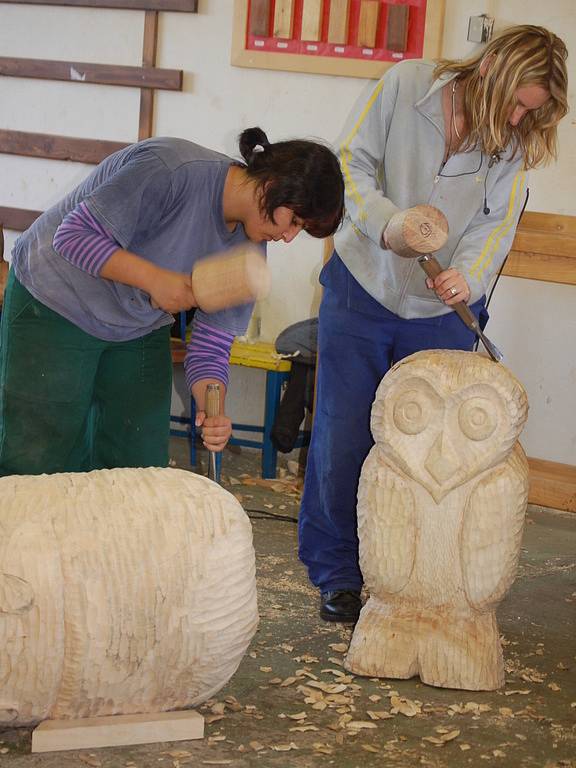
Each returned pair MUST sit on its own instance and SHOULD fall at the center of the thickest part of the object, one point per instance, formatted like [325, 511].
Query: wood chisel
[212, 408]
[432, 268]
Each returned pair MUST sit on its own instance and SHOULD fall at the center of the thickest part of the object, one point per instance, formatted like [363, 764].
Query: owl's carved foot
[383, 645]
[340, 605]
[445, 649]
[462, 652]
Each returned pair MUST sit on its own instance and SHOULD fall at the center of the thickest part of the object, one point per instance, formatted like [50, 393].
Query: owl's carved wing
[492, 531]
[386, 525]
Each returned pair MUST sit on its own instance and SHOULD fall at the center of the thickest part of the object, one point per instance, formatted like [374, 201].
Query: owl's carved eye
[412, 412]
[477, 418]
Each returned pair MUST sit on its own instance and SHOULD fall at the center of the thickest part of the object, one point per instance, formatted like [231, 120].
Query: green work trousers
[70, 402]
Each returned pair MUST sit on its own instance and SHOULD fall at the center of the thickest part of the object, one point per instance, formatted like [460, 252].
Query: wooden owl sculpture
[121, 591]
[441, 506]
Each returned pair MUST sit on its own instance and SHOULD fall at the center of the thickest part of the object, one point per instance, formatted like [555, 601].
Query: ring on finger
[453, 291]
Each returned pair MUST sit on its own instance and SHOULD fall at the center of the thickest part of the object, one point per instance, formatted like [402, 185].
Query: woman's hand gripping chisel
[415, 233]
[212, 408]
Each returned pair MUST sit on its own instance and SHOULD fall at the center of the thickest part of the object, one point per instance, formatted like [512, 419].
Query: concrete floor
[268, 716]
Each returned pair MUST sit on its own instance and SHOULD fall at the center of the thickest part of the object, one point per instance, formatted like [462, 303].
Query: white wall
[530, 321]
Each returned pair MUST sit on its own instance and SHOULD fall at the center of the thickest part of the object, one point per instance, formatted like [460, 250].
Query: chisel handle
[212, 408]
[432, 268]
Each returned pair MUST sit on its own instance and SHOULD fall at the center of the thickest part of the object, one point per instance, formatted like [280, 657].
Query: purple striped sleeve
[207, 354]
[82, 241]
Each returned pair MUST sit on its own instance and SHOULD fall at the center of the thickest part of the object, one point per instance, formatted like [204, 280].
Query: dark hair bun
[249, 139]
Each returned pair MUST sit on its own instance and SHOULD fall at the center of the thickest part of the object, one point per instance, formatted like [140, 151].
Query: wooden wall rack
[147, 78]
[353, 38]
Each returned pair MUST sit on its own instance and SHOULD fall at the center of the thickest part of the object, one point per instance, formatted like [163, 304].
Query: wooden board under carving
[82, 72]
[368, 23]
[259, 22]
[117, 730]
[283, 18]
[338, 22]
[311, 19]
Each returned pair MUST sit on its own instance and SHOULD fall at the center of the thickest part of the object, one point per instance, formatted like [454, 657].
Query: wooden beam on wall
[146, 76]
[57, 147]
[149, 48]
[17, 219]
[544, 248]
[185, 6]
[552, 484]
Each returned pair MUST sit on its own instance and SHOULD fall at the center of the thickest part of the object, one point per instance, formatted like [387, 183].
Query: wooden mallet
[230, 278]
[415, 233]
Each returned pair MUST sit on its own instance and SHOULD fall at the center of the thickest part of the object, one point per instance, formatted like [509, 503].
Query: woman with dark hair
[85, 364]
[456, 134]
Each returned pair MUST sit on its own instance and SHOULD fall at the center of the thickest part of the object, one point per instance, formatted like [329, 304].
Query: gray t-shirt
[161, 199]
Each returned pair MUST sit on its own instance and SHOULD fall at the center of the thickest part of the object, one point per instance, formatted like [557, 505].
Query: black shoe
[340, 605]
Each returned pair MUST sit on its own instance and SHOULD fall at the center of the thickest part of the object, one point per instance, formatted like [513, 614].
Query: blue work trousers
[358, 341]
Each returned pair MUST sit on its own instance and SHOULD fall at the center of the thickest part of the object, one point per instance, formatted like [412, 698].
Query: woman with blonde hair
[458, 135]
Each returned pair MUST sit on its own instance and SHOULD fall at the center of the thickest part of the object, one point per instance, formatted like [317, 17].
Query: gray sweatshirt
[391, 151]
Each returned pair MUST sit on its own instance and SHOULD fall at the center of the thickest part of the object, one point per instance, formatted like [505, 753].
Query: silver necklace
[454, 110]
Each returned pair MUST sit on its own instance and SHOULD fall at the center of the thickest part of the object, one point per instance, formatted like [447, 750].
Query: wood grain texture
[311, 19]
[368, 23]
[54, 147]
[421, 229]
[544, 248]
[441, 505]
[122, 591]
[338, 21]
[186, 6]
[397, 18]
[259, 23]
[283, 18]
[102, 74]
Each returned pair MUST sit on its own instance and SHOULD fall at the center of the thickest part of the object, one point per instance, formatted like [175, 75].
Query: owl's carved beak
[442, 462]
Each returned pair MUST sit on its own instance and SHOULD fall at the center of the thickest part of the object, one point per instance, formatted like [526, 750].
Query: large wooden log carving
[441, 506]
[121, 591]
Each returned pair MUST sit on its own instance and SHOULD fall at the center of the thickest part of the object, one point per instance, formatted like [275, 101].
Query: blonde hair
[520, 56]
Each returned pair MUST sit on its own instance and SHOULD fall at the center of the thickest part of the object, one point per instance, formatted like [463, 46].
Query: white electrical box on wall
[480, 28]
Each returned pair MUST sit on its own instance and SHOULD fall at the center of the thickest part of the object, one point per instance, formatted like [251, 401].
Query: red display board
[397, 33]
